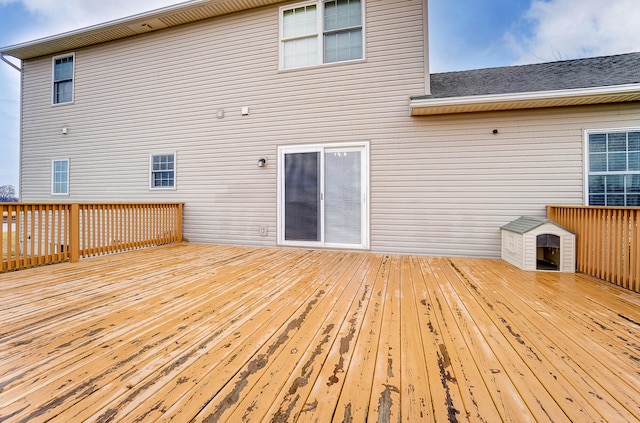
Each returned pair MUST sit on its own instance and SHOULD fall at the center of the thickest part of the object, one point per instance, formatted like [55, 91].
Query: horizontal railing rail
[34, 234]
[607, 241]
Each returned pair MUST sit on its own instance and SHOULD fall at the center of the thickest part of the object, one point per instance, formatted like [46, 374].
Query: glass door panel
[343, 197]
[302, 203]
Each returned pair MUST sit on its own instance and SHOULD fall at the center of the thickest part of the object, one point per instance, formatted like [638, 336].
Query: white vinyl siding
[447, 184]
[63, 74]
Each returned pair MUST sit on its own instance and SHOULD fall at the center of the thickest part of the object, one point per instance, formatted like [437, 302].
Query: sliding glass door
[323, 193]
[302, 196]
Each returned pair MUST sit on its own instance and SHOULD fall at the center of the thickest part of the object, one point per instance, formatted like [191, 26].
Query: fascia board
[526, 100]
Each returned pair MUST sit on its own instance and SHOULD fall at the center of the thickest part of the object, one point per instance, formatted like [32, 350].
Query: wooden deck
[219, 333]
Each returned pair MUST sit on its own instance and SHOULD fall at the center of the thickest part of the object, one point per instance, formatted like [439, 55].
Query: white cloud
[569, 29]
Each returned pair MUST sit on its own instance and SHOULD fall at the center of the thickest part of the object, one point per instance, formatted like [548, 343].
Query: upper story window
[60, 177]
[63, 79]
[614, 168]
[163, 171]
[319, 32]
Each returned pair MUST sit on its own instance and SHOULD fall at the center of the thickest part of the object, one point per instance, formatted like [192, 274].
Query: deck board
[224, 333]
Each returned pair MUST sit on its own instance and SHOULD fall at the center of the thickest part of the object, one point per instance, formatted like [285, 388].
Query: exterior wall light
[262, 162]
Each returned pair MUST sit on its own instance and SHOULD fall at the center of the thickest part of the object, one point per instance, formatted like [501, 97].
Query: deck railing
[607, 241]
[34, 234]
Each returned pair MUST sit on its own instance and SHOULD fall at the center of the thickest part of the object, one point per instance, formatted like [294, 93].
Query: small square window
[617, 142]
[632, 183]
[634, 161]
[617, 162]
[598, 162]
[162, 171]
[598, 143]
[633, 200]
[634, 141]
[596, 184]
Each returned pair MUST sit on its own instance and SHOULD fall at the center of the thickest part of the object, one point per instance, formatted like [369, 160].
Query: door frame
[364, 195]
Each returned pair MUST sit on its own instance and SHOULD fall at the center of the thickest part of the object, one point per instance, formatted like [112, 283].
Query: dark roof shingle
[567, 74]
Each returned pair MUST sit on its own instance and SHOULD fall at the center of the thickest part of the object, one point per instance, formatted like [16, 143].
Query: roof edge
[421, 106]
[103, 25]
[129, 26]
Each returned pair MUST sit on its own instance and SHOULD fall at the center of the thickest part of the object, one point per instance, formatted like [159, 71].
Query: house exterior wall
[440, 185]
[462, 182]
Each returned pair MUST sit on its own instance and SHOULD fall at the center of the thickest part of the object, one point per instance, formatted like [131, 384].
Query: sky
[464, 34]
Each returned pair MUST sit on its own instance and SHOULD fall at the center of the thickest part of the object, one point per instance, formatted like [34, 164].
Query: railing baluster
[608, 241]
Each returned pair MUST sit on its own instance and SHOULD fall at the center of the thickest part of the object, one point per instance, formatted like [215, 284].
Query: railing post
[178, 223]
[74, 233]
[551, 213]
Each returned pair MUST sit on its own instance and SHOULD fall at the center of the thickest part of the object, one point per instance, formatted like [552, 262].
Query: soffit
[179, 14]
[517, 101]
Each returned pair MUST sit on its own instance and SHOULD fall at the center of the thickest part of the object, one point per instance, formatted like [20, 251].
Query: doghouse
[533, 243]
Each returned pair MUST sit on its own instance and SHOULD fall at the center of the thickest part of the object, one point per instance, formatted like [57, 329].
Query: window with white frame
[613, 167]
[63, 79]
[319, 32]
[60, 177]
[163, 171]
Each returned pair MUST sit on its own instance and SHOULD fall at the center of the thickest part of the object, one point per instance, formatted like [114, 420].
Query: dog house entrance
[548, 252]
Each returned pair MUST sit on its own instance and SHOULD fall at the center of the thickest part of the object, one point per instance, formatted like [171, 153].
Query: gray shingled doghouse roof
[603, 71]
[525, 224]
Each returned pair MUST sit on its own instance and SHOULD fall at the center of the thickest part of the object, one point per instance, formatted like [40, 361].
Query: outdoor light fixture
[262, 162]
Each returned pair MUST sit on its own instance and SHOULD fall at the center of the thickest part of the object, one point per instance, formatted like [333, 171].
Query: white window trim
[175, 171]
[585, 158]
[53, 179]
[365, 178]
[319, 34]
[53, 80]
